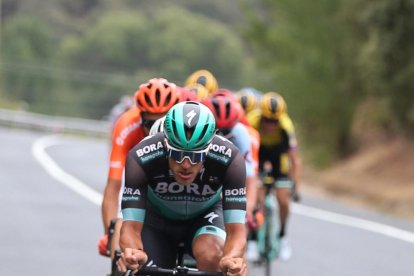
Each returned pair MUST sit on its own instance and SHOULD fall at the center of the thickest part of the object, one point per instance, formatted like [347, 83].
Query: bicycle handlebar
[154, 270]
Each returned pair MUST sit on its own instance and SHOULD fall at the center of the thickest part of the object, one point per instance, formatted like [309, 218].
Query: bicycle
[267, 238]
[185, 267]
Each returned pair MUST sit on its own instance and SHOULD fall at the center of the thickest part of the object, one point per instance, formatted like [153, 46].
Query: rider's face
[268, 126]
[185, 172]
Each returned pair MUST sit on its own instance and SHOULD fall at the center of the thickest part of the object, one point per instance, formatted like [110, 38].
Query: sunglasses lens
[270, 121]
[193, 157]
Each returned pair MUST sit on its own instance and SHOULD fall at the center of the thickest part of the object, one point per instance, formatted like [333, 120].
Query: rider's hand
[251, 223]
[103, 245]
[133, 259]
[233, 266]
[255, 221]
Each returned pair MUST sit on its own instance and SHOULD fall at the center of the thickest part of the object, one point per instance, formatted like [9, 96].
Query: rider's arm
[133, 204]
[296, 166]
[234, 208]
[110, 202]
[119, 152]
[131, 235]
[126, 134]
[251, 194]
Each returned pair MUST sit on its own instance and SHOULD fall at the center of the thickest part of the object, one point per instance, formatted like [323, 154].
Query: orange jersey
[128, 131]
[255, 146]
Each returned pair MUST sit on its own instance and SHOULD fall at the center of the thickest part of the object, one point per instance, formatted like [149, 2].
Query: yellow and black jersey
[274, 147]
[285, 134]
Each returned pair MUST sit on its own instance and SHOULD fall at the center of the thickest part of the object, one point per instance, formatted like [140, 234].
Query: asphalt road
[49, 206]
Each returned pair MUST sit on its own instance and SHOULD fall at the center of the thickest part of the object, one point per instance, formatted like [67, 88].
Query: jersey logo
[190, 115]
[211, 216]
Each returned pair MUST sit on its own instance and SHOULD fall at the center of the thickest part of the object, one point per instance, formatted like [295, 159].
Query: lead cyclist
[185, 184]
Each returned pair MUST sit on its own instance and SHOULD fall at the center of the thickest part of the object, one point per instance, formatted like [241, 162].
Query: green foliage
[303, 43]
[26, 43]
[124, 49]
[386, 59]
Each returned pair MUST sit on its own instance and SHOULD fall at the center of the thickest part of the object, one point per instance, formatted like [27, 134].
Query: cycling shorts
[280, 183]
[162, 236]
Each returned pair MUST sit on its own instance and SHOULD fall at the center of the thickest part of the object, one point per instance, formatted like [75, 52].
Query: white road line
[51, 167]
[367, 225]
[39, 152]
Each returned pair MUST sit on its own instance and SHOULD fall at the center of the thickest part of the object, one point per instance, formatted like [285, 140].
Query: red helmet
[225, 92]
[186, 94]
[156, 96]
[225, 110]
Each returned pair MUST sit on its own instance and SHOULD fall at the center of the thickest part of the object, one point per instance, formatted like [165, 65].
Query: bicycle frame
[268, 242]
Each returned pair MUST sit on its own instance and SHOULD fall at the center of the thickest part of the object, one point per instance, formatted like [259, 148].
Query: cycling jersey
[274, 147]
[128, 131]
[151, 195]
[148, 180]
[255, 147]
[284, 135]
[239, 136]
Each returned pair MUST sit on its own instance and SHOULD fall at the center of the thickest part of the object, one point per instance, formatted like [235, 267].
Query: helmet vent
[174, 128]
[216, 106]
[157, 96]
[167, 99]
[188, 132]
[273, 105]
[243, 101]
[148, 100]
[227, 109]
[202, 80]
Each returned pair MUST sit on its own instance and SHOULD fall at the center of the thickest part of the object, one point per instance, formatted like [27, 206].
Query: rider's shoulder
[253, 117]
[129, 117]
[222, 150]
[286, 122]
[150, 148]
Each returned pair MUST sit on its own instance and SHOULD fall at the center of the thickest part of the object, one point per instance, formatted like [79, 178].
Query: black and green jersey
[148, 180]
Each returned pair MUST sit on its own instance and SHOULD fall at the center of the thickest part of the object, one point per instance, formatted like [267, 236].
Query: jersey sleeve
[234, 191]
[241, 140]
[127, 132]
[287, 126]
[135, 191]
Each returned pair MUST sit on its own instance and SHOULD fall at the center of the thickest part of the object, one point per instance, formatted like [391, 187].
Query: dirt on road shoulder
[381, 177]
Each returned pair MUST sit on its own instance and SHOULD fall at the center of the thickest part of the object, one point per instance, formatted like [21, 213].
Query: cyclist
[185, 184]
[200, 91]
[153, 99]
[278, 147]
[226, 111]
[248, 98]
[186, 94]
[203, 77]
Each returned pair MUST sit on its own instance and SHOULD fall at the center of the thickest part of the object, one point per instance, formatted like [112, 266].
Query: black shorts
[161, 236]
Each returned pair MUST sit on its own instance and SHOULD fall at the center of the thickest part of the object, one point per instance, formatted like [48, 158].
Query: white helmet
[158, 126]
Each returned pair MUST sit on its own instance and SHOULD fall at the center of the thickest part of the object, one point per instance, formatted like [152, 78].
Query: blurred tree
[26, 46]
[304, 45]
[386, 57]
[194, 42]
[140, 46]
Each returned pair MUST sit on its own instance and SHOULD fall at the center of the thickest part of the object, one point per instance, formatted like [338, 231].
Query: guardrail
[55, 124]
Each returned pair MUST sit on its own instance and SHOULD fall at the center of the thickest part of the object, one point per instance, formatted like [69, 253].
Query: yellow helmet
[205, 78]
[248, 99]
[200, 91]
[272, 105]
